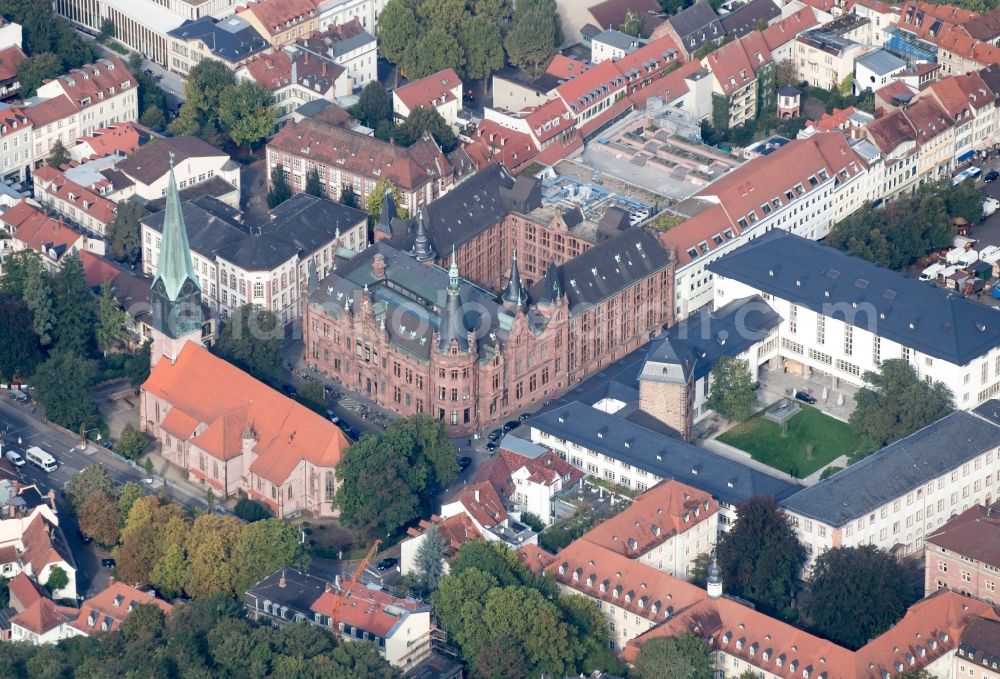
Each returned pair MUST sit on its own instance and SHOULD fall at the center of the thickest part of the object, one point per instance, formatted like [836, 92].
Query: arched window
[329, 486]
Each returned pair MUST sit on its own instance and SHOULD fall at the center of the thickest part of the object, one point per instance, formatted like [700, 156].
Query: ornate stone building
[414, 337]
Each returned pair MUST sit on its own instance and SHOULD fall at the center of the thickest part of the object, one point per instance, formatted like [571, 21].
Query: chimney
[378, 266]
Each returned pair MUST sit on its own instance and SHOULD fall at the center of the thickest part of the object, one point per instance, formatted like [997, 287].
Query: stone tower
[175, 294]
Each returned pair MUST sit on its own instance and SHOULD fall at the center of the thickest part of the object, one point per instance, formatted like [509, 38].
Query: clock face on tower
[188, 288]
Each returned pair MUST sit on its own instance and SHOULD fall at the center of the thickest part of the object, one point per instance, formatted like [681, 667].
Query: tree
[397, 29]
[446, 15]
[264, 547]
[61, 384]
[58, 156]
[18, 267]
[632, 24]
[211, 545]
[251, 341]
[375, 196]
[496, 12]
[38, 298]
[4, 592]
[111, 320]
[92, 479]
[57, 580]
[534, 34]
[73, 309]
[857, 593]
[895, 402]
[494, 560]
[732, 394]
[313, 394]
[681, 657]
[430, 559]
[34, 71]
[124, 233]
[107, 31]
[374, 104]
[279, 190]
[251, 510]
[131, 443]
[98, 518]
[482, 45]
[127, 496]
[964, 201]
[787, 75]
[698, 575]
[206, 83]
[392, 478]
[760, 556]
[137, 365]
[349, 197]
[433, 51]
[20, 352]
[314, 185]
[247, 113]
[423, 120]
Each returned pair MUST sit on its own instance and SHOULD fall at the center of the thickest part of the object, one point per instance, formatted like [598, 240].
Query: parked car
[290, 390]
[108, 443]
[15, 458]
[349, 431]
[386, 564]
[991, 176]
[491, 446]
[496, 434]
[510, 425]
[523, 416]
[108, 563]
[464, 463]
[805, 397]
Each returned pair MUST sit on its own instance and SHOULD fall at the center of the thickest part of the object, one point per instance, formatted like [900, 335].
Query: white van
[14, 458]
[41, 459]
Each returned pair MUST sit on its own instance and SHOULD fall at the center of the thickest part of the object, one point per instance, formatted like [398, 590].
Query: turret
[452, 326]
[514, 295]
[713, 583]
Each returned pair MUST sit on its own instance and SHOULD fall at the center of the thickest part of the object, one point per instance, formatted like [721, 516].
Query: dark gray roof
[669, 458]
[473, 206]
[152, 161]
[696, 344]
[301, 590]
[232, 39]
[744, 19]
[696, 24]
[607, 268]
[215, 187]
[789, 91]
[622, 41]
[300, 225]
[918, 315]
[897, 469]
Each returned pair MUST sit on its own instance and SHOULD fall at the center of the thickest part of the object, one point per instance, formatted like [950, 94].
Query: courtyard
[810, 441]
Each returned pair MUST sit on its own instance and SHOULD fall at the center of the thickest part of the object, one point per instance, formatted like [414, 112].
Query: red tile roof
[50, 110]
[408, 168]
[97, 269]
[456, 530]
[919, 18]
[120, 138]
[286, 432]
[928, 119]
[12, 121]
[662, 512]
[371, 609]
[10, 57]
[783, 31]
[735, 64]
[42, 616]
[612, 13]
[534, 558]
[499, 144]
[274, 71]
[105, 611]
[39, 549]
[600, 82]
[639, 589]
[565, 67]
[105, 78]
[23, 591]
[975, 533]
[432, 91]
[482, 503]
[37, 230]
[670, 87]
[87, 201]
[178, 424]
[549, 120]
[279, 15]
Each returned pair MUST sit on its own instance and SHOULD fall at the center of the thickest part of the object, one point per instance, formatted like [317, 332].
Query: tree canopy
[895, 402]
[34, 71]
[20, 351]
[61, 384]
[391, 479]
[208, 638]
[247, 113]
[760, 557]
[534, 34]
[124, 233]
[423, 120]
[46, 32]
[857, 593]
[681, 657]
[732, 394]
[374, 103]
[279, 190]
[251, 340]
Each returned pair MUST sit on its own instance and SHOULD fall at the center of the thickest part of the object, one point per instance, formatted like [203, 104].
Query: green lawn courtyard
[763, 439]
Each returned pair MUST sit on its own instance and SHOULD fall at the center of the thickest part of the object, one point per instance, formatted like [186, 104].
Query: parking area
[833, 396]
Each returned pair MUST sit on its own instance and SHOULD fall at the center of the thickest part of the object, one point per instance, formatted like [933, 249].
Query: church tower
[175, 293]
[714, 582]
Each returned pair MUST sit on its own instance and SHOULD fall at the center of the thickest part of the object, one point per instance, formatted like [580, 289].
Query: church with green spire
[175, 294]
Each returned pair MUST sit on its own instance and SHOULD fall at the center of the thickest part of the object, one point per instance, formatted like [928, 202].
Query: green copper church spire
[175, 264]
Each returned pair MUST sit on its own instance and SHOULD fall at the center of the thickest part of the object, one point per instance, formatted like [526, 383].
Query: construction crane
[349, 583]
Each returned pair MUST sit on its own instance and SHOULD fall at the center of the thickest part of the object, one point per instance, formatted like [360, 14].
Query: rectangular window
[820, 329]
[793, 318]
[877, 350]
[848, 340]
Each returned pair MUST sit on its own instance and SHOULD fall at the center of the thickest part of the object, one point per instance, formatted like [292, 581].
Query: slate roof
[208, 229]
[980, 643]
[615, 38]
[897, 469]
[337, 40]
[923, 317]
[612, 13]
[727, 480]
[301, 590]
[744, 19]
[693, 346]
[231, 39]
[607, 268]
[975, 533]
[696, 24]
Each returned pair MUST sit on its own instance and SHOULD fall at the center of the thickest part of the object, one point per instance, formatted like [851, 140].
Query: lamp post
[83, 436]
